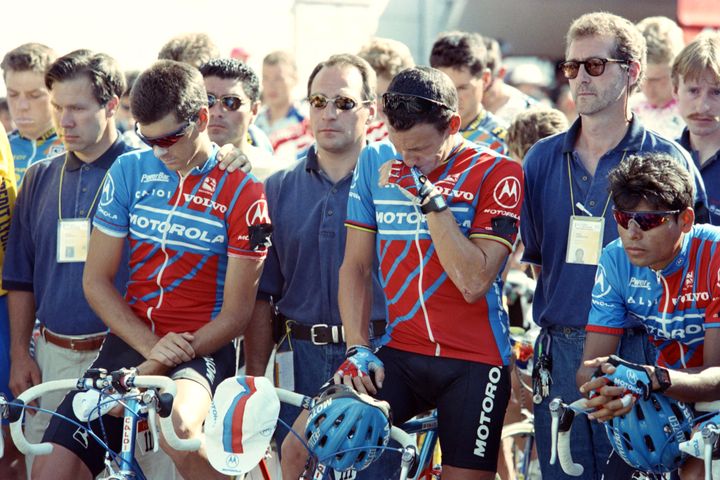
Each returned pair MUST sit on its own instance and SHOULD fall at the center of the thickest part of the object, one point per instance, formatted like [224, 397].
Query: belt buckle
[314, 334]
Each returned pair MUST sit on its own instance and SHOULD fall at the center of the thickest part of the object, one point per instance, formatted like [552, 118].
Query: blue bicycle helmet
[346, 429]
[648, 436]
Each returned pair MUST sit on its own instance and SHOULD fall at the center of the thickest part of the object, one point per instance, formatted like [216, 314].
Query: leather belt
[77, 344]
[324, 334]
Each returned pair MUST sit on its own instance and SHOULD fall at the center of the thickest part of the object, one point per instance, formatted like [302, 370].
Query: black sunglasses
[594, 66]
[410, 103]
[320, 101]
[646, 220]
[230, 103]
[168, 140]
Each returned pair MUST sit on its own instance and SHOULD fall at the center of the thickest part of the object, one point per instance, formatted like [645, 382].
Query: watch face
[434, 204]
[663, 378]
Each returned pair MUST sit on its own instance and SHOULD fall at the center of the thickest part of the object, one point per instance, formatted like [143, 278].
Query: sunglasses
[165, 141]
[410, 103]
[645, 220]
[230, 103]
[341, 103]
[593, 66]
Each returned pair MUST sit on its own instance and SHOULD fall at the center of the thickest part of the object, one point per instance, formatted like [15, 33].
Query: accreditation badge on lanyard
[585, 240]
[73, 238]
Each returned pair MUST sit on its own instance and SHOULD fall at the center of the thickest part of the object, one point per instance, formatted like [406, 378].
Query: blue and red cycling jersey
[181, 232]
[487, 130]
[27, 152]
[674, 305]
[483, 191]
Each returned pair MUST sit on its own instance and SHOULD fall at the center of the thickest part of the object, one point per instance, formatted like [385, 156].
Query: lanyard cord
[572, 196]
[97, 194]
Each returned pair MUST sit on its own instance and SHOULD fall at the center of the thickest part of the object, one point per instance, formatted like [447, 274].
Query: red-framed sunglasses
[167, 140]
[646, 220]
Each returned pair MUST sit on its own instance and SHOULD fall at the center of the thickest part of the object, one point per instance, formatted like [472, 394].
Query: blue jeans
[590, 446]
[314, 365]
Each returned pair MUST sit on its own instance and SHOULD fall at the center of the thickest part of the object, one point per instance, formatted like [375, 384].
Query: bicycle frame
[427, 425]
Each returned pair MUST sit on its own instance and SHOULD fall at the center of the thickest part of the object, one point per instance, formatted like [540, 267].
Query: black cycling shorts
[470, 397]
[116, 354]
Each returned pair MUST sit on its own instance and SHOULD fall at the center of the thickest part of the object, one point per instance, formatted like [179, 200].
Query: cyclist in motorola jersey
[197, 237]
[29, 103]
[442, 215]
[662, 273]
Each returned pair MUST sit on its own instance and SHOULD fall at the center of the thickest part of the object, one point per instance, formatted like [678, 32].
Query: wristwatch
[663, 378]
[436, 203]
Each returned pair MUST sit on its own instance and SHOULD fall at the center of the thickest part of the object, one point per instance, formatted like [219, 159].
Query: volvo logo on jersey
[203, 199]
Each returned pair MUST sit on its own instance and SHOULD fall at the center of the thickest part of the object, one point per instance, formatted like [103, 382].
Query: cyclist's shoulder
[381, 151]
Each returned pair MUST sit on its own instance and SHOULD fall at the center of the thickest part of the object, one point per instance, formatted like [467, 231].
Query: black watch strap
[436, 203]
[663, 378]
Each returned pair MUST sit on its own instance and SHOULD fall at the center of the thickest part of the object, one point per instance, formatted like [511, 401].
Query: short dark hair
[458, 50]
[428, 83]
[102, 70]
[494, 55]
[34, 57]
[654, 177]
[168, 87]
[192, 48]
[369, 79]
[230, 68]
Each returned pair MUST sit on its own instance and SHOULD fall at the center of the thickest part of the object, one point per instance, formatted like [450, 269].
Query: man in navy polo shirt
[567, 207]
[307, 206]
[50, 228]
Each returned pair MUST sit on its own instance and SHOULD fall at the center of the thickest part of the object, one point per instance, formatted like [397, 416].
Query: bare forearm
[355, 301]
[21, 309]
[214, 335]
[114, 311]
[468, 266]
[691, 386]
[258, 339]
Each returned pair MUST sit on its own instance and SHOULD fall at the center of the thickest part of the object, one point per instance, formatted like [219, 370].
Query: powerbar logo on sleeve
[488, 405]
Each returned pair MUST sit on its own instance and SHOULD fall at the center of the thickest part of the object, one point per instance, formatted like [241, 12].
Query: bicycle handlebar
[142, 381]
[562, 416]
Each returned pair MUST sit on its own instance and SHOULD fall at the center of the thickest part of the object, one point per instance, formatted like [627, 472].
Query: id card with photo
[73, 238]
[284, 370]
[585, 239]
